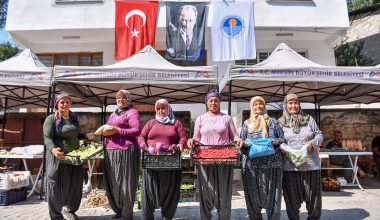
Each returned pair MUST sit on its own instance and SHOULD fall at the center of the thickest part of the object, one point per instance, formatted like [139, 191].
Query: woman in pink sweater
[161, 188]
[122, 156]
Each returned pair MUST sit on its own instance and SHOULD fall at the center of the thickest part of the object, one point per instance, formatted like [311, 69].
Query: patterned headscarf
[127, 95]
[168, 119]
[294, 121]
[257, 122]
[58, 117]
[212, 93]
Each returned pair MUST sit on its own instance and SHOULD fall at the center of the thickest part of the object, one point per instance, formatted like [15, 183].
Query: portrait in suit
[185, 34]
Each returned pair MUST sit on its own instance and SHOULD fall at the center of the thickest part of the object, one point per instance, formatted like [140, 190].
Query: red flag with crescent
[135, 26]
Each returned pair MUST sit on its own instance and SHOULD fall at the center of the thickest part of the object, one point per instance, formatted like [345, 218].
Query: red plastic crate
[214, 154]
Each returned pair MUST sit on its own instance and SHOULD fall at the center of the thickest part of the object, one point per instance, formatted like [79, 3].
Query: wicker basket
[214, 154]
[161, 162]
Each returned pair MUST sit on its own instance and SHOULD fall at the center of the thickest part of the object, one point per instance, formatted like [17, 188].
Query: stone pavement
[349, 204]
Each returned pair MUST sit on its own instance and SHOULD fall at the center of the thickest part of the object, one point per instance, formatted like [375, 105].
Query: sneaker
[69, 215]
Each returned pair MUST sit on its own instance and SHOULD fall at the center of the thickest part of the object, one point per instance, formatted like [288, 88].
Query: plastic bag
[298, 157]
[260, 147]
[102, 128]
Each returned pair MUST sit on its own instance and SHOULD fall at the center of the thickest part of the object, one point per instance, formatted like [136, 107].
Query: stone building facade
[365, 25]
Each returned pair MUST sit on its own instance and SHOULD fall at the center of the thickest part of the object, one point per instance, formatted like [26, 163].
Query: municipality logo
[201, 74]
[232, 26]
[374, 75]
[36, 76]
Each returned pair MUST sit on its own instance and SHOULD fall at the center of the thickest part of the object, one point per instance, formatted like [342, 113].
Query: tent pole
[315, 107]
[319, 116]
[4, 117]
[104, 114]
[283, 88]
[44, 157]
[229, 97]
[51, 97]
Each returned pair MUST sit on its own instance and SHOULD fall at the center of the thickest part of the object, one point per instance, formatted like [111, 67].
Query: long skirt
[262, 189]
[215, 190]
[121, 173]
[299, 187]
[160, 189]
[64, 186]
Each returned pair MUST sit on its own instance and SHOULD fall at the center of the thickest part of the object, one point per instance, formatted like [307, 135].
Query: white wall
[45, 14]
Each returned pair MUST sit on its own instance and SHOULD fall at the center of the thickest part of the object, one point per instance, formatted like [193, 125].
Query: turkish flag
[135, 27]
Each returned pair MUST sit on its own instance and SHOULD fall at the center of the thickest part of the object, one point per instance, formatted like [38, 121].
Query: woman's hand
[91, 136]
[309, 146]
[191, 142]
[180, 146]
[276, 142]
[57, 153]
[239, 142]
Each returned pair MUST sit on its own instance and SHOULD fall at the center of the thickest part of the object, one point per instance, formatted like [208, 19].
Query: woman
[301, 183]
[262, 176]
[214, 181]
[64, 181]
[161, 188]
[121, 158]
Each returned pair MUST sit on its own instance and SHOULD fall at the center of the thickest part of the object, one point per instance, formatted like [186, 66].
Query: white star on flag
[134, 33]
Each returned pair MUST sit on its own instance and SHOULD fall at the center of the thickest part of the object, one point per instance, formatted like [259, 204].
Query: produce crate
[214, 154]
[330, 184]
[78, 160]
[12, 196]
[161, 162]
[14, 179]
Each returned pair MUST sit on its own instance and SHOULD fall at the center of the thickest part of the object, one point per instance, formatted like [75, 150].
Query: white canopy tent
[24, 81]
[285, 71]
[147, 75]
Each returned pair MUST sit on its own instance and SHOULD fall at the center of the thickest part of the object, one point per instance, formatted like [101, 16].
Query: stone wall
[360, 124]
[366, 27]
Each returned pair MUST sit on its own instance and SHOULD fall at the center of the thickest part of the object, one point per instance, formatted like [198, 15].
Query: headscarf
[294, 121]
[168, 119]
[127, 95]
[212, 93]
[258, 122]
[58, 117]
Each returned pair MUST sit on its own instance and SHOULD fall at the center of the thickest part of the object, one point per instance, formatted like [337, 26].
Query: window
[260, 57]
[71, 59]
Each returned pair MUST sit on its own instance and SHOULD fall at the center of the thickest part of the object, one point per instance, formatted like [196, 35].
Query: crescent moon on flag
[135, 12]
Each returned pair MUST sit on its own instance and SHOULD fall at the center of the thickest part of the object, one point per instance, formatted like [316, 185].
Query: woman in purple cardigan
[122, 156]
[161, 188]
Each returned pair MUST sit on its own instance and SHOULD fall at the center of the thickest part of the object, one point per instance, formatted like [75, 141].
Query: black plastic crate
[161, 162]
[12, 196]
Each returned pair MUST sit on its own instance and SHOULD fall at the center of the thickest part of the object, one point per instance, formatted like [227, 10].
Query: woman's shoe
[117, 215]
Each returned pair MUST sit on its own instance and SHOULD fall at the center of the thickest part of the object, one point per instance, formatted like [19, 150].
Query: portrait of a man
[185, 31]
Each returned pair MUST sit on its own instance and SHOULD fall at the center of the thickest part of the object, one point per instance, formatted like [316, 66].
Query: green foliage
[358, 4]
[351, 54]
[7, 50]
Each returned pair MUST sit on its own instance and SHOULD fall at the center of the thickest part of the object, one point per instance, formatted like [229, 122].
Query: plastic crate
[12, 196]
[161, 162]
[14, 179]
[214, 154]
[77, 160]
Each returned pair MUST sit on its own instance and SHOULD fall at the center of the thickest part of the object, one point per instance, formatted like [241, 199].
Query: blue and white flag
[232, 31]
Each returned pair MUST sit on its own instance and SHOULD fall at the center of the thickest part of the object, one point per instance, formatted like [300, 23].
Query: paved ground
[349, 204]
